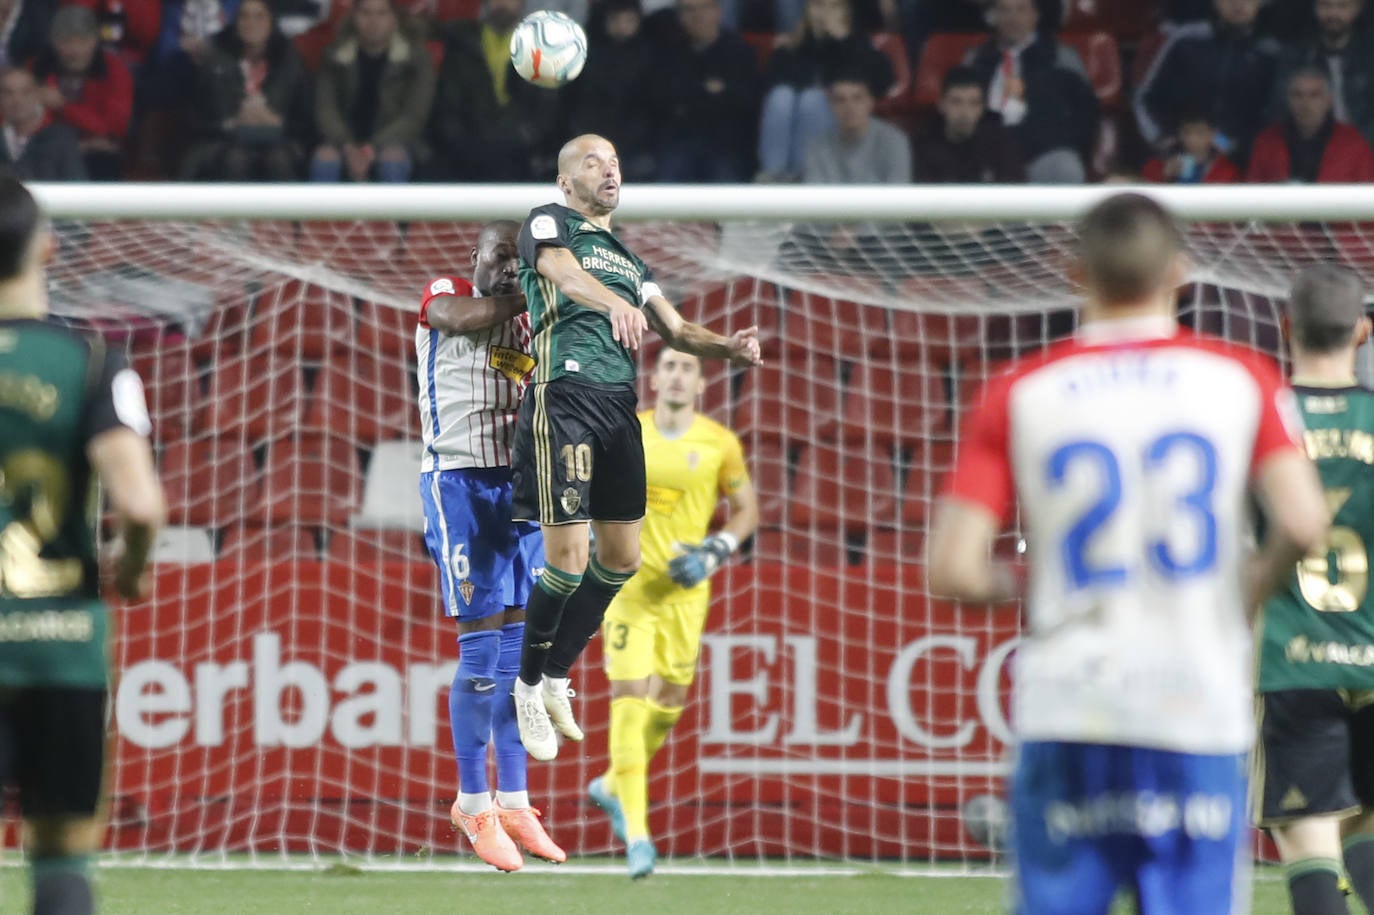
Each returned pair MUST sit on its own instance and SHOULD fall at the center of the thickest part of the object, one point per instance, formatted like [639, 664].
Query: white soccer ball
[548, 49]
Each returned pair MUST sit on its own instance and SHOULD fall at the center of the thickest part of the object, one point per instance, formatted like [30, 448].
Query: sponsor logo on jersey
[544, 227]
[1294, 799]
[512, 363]
[586, 227]
[662, 499]
[466, 588]
[442, 286]
[571, 501]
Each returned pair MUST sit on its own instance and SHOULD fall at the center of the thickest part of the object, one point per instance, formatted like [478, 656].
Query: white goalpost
[284, 690]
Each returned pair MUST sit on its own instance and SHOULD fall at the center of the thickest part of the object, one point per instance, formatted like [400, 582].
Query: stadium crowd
[847, 91]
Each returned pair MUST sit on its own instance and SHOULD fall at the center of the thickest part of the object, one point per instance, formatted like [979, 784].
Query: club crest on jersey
[466, 588]
[571, 501]
[693, 459]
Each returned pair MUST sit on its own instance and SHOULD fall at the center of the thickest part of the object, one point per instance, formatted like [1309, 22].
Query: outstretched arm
[560, 266]
[959, 563]
[453, 314]
[741, 347]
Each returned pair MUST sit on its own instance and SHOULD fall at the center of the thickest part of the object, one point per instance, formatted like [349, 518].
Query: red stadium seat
[793, 401]
[890, 403]
[941, 52]
[311, 44]
[842, 488]
[302, 321]
[768, 468]
[208, 483]
[310, 480]
[1102, 59]
[172, 385]
[381, 545]
[449, 10]
[350, 246]
[251, 398]
[901, 545]
[387, 332]
[227, 329]
[363, 400]
[269, 544]
[832, 326]
[1122, 18]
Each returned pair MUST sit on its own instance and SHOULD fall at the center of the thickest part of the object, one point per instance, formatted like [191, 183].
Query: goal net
[284, 689]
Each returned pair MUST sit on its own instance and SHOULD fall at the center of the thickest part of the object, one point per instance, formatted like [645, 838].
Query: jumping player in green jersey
[1314, 767]
[70, 410]
[578, 456]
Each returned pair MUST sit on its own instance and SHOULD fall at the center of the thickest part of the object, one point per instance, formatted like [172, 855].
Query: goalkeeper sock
[510, 753]
[62, 886]
[543, 615]
[470, 702]
[1359, 864]
[657, 725]
[1314, 887]
[582, 616]
[629, 715]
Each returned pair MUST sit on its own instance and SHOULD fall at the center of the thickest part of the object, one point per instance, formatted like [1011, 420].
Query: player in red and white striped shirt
[473, 344]
[1131, 450]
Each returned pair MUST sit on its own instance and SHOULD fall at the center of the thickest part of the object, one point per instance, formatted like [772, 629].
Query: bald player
[579, 457]
[1315, 774]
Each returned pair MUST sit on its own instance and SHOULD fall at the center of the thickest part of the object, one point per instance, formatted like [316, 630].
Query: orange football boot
[522, 825]
[489, 838]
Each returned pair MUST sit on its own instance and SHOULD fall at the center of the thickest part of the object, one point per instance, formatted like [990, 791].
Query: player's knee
[623, 558]
[62, 837]
[638, 689]
[669, 695]
[569, 558]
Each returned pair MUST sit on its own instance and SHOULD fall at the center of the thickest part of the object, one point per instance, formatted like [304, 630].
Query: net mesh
[285, 688]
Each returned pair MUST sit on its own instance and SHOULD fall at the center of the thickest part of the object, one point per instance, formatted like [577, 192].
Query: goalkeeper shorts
[643, 638]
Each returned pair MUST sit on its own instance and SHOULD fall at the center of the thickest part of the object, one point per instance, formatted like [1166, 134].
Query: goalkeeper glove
[699, 561]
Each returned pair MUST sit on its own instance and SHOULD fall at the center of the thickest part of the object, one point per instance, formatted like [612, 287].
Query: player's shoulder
[1261, 366]
[548, 216]
[716, 431]
[447, 285]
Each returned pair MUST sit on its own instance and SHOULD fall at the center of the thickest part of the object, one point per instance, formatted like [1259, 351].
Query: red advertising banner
[304, 706]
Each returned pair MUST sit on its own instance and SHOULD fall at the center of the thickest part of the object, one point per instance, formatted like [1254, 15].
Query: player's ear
[1362, 331]
[472, 258]
[1178, 270]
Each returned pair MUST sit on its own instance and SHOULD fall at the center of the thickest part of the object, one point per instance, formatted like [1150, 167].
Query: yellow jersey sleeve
[733, 472]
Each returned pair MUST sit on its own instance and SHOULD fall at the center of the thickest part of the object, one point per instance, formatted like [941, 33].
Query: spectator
[488, 124]
[859, 149]
[89, 88]
[1346, 52]
[1193, 157]
[373, 93]
[1309, 145]
[611, 96]
[24, 29]
[1222, 62]
[796, 109]
[964, 143]
[252, 109]
[706, 100]
[35, 148]
[1041, 90]
[130, 28]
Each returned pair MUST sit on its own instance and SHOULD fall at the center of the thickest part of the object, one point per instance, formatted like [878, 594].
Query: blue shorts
[487, 562]
[1089, 820]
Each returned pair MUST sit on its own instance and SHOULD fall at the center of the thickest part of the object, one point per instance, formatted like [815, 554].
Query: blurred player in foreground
[473, 345]
[70, 409]
[579, 458]
[1131, 448]
[1315, 765]
[652, 632]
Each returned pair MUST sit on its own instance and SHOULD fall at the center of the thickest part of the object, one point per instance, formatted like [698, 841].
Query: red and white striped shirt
[1130, 450]
[470, 386]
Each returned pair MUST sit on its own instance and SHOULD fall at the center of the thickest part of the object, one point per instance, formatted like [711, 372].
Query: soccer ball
[548, 49]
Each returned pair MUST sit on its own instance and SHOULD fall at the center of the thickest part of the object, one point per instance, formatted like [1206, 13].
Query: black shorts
[579, 454]
[1315, 753]
[52, 748]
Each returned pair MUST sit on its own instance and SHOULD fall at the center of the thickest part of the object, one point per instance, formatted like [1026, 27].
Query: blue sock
[470, 706]
[510, 753]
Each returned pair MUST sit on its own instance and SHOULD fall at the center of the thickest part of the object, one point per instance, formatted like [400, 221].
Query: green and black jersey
[1318, 632]
[58, 390]
[571, 339]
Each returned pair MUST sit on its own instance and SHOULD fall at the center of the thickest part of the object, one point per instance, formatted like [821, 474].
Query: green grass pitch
[542, 888]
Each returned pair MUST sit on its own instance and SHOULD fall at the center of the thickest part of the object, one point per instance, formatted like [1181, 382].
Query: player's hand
[744, 347]
[628, 325]
[698, 561]
[129, 582]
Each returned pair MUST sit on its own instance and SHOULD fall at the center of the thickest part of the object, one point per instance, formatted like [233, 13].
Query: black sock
[543, 614]
[1359, 864]
[61, 886]
[1314, 886]
[582, 616]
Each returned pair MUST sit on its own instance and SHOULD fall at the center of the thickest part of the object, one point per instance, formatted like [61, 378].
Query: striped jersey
[1130, 450]
[470, 386]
